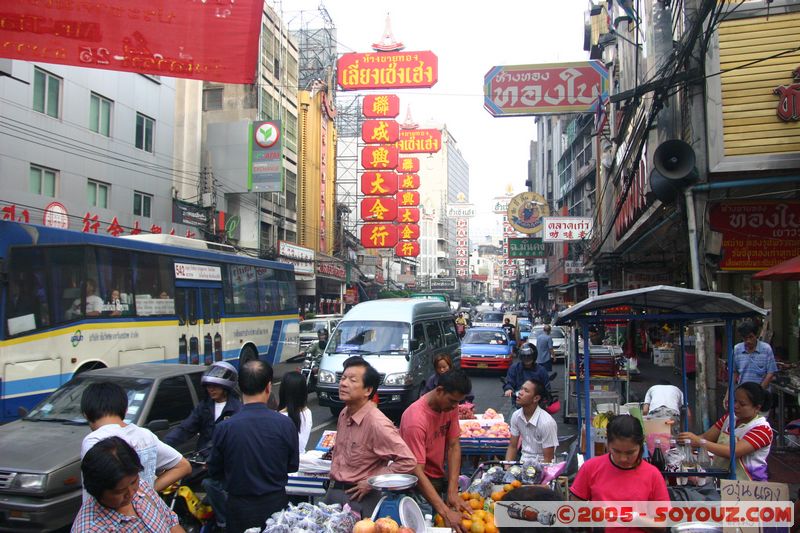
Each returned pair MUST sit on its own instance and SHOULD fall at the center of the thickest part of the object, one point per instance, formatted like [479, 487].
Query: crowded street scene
[337, 266]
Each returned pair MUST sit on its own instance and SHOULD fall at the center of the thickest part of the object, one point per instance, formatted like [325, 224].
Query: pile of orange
[498, 495]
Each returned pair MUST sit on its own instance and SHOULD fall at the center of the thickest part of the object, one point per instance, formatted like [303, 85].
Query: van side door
[452, 344]
[436, 343]
[417, 363]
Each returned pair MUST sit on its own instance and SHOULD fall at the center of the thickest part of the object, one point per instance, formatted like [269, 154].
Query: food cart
[658, 303]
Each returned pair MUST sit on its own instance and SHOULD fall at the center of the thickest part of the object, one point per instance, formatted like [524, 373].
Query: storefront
[303, 260]
[331, 281]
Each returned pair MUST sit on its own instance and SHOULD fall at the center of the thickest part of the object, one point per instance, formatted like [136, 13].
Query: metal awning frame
[585, 314]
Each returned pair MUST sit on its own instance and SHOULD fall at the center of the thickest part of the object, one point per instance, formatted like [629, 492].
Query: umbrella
[786, 271]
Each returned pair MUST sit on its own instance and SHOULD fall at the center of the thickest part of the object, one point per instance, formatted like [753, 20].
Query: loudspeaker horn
[664, 189]
[675, 160]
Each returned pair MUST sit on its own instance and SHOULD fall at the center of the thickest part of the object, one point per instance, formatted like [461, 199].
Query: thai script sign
[522, 248]
[379, 183]
[756, 235]
[369, 260]
[302, 258]
[378, 236]
[265, 168]
[573, 267]
[789, 99]
[416, 141]
[381, 106]
[379, 157]
[387, 70]
[460, 210]
[500, 204]
[525, 212]
[381, 209]
[380, 131]
[332, 270]
[408, 164]
[158, 37]
[547, 88]
[442, 284]
[557, 229]
[198, 272]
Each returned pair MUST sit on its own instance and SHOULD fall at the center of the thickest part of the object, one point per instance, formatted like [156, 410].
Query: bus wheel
[248, 354]
[90, 366]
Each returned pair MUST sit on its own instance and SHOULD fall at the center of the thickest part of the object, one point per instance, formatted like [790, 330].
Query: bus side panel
[289, 341]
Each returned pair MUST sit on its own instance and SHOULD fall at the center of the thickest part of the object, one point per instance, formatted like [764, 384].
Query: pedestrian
[509, 328]
[523, 370]
[431, 429]
[663, 400]
[544, 347]
[753, 359]
[367, 443]
[104, 405]
[253, 452]
[534, 426]
[293, 402]
[120, 500]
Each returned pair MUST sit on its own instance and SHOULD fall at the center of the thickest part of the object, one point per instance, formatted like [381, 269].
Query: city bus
[72, 301]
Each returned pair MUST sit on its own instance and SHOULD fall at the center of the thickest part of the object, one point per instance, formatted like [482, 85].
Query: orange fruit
[490, 528]
[508, 487]
[478, 527]
[516, 483]
[475, 504]
[465, 496]
[480, 514]
[438, 521]
[466, 523]
[497, 496]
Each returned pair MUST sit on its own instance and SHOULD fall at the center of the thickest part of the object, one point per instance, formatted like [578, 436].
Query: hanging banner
[381, 106]
[420, 141]
[408, 215]
[157, 37]
[408, 182]
[408, 199]
[378, 235]
[407, 249]
[387, 70]
[379, 183]
[265, 168]
[557, 229]
[408, 164]
[380, 131]
[379, 157]
[408, 232]
[380, 209]
[525, 212]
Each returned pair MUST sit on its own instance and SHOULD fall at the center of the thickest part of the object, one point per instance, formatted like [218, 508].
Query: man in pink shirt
[430, 428]
[366, 441]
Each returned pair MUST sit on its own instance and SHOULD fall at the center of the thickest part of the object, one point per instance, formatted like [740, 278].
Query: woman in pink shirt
[621, 474]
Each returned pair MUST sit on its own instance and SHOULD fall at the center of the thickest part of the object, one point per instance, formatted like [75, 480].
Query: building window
[141, 204]
[42, 181]
[46, 93]
[100, 115]
[97, 194]
[212, 99]
[144, 132]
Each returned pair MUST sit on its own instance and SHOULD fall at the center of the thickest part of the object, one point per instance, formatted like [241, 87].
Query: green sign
[525, 247]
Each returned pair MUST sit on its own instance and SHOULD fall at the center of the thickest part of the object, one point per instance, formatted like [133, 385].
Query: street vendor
[752, 433]
[431, 429]
[367, 443]
[533, 425]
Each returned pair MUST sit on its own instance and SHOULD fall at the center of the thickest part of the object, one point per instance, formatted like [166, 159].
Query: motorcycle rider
[315, 350]
[220, 381]
[524, 370]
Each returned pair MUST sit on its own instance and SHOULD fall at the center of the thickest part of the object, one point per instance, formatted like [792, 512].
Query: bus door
[199, 309]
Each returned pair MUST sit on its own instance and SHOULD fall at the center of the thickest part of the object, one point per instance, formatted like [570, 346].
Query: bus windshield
[370, 337]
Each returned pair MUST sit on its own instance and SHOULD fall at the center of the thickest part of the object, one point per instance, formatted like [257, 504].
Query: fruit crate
[483, 446]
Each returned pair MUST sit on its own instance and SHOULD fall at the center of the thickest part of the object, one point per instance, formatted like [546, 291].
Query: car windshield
[556, 332]
[491, 317]
[370, 337]
[485, 337]
[312, 326]
[64, 405]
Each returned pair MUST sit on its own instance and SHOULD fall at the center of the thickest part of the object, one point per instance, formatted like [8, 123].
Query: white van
[399, 337]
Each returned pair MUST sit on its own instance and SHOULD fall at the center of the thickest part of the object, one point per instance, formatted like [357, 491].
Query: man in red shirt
[431, 430]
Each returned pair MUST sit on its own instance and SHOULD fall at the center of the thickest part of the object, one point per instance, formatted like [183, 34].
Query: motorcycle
[186, 501]
[309, 371]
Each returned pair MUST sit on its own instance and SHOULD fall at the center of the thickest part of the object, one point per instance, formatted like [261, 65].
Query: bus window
[115, 281]
[26, 299]
[288, 292]
[244, 288]
[268, 290]
[67, 277]
[191, 298]
[155, 293]
[180, 305]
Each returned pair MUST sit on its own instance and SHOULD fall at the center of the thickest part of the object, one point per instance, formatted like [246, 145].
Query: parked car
[486, 349]
[40, 475]
[559, 339]
[309, 328]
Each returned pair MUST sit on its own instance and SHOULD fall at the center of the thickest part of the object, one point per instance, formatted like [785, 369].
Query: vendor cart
[658, 303]
[609, 381]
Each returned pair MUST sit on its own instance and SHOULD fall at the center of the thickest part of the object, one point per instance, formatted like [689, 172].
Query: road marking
[324, 424]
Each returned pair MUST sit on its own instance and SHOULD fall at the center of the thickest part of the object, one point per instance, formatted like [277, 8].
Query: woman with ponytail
[292, 402]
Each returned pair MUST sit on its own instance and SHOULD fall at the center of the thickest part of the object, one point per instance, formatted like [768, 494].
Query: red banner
[408, 164]
[408, 231]
[378, 235]
[380, 131]
[407, 249]
[420, 141]
[387, 70]
[160, 37]
[408, 199]
[381, 106]
[408, 215]
[756, 235]
[379, 157]
[408, 182]
[379, 209]
[379, 183]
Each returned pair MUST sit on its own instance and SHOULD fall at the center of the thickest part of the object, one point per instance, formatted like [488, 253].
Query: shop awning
[786, 271]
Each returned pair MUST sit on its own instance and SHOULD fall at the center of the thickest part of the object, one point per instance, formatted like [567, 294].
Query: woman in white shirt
[292, 402]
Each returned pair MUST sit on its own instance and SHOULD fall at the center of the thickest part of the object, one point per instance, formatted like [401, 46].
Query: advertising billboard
[387, 70]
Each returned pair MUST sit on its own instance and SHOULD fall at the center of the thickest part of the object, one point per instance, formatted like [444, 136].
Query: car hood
[40, 447]
[485, 349]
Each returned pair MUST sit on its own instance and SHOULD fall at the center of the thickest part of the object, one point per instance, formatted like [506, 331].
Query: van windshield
[370, 337]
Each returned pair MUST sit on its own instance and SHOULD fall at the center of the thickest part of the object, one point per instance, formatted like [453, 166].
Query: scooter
[310, 370]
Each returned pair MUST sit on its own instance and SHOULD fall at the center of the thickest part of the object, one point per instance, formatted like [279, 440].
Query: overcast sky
[468, 38]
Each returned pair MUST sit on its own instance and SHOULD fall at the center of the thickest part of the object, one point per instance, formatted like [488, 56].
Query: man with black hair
[753, 359]
[367, 443]
[254, 451]
[533, 425]
[120, 501]
[430, 428]
[523, 370]
[104, 405]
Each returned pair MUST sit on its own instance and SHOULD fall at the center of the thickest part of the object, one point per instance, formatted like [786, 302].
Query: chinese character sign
[408, 198]
[408, 164]
[381, 106]
[387, 70]
[378, 209]
[407, 249]
[462, 247]
[379, 183]
[380, 131]
[379, 157]
[378, 235]
[558, 229]
[408, 182]
[408, 215]
[420, 141]
[408, 232]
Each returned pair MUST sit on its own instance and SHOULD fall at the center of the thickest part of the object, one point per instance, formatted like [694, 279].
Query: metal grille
[6, 478]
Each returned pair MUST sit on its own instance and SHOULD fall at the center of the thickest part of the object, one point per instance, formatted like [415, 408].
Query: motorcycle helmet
[527, 351]
[322, 335]
[222, 374]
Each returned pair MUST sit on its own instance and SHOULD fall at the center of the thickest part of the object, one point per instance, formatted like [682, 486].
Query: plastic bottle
[703, 463]
[687, 460]
[657, 458]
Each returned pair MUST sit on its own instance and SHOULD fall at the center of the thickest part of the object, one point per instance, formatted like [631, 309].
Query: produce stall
[658, 304]
[483, 435]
